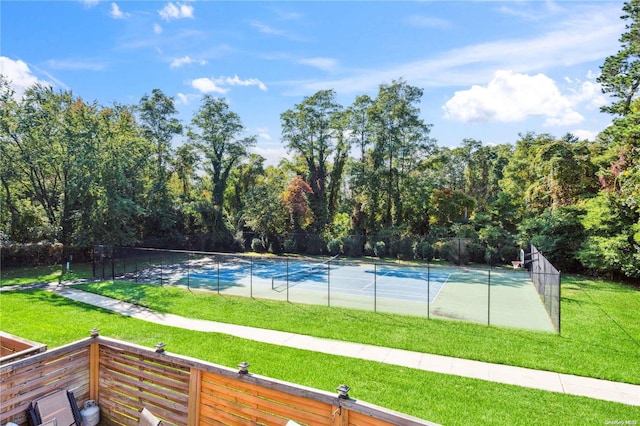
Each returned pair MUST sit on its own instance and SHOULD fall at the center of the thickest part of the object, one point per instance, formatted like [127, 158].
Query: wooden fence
[123, 378]
[14, 347]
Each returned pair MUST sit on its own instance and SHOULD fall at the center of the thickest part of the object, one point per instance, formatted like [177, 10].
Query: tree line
[364, 179]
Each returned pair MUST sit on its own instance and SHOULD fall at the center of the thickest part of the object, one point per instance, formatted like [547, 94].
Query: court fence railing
[482, 299]
[547, 280]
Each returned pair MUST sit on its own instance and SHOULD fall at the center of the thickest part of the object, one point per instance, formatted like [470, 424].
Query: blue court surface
[405, 283]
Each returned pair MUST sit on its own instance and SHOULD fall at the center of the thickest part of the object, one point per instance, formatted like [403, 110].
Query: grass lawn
[44, 317]
[44, 274]
[600, 323]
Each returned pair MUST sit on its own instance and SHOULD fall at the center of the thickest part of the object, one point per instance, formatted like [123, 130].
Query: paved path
[537, 379]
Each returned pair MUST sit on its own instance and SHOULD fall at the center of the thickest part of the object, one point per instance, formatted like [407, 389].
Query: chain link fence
[481, 294]
[546, 278]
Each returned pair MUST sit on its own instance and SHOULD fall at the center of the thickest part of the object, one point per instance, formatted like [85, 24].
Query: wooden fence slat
[179, 385]
[140, 384]
[159, 366]
[216, 416]
[252, 413]
[306, 404]
[280, 408]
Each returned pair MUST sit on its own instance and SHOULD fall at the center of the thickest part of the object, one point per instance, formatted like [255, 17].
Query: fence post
[251, 277]
[428, 291]
[189, 271]
[329, 283]
[559, 298]
[218, 272]
[489, 297]
[375, 287]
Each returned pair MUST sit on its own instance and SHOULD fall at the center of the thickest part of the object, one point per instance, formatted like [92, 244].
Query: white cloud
[565, 44]
[76, 64]
[325, 64]
[186, 60]
[89, 3]
[568, 119]
[511, 96]
[116, 13]
[206, 85]
[157, 28]
[176, 11]
[269, 30]
[19, 75]
[265, 136]
[185, 99]
[272, 156]
[182, 98]
[236, 81]
[583, 134]
[590, 93]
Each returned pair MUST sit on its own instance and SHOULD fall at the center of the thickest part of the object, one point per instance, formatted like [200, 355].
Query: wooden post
[94, 371]
[193, 409]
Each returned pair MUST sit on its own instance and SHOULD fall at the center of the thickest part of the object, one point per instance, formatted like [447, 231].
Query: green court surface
[489, 296]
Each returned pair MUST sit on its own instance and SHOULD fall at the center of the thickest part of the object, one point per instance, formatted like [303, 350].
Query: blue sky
[489, 70]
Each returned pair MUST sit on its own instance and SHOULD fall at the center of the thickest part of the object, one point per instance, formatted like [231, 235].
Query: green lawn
[44, 274]
[600, 323]
[44, 317]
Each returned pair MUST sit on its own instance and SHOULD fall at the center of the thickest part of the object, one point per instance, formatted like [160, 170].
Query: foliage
[333, 247]
[216, 132]
[82, 174]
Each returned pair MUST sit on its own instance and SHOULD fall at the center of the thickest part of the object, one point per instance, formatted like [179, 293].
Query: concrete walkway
[555, 382]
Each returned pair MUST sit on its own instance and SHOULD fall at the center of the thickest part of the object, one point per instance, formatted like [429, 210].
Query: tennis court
[340, 278]
[503, 297]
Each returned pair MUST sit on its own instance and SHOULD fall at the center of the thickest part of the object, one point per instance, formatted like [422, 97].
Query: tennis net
[280, 282]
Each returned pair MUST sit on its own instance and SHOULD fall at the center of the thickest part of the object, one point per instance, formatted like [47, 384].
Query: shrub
[290, 245]
[380, 249]
[315, 244]
[475, 252]
[423, 250]
[401, 248]
[352, 246]
[256, 245]
[42, 253]
[368, 249]
[333, 247]
[492, 256]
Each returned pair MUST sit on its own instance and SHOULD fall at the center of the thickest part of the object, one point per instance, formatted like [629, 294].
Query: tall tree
[400, 141]
[309, 130]
[620, 73]
[159, 126]
[217, 132]
[185, 163]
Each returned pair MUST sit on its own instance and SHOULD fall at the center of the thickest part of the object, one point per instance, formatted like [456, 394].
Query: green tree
[264, 211]
[217, 132]
[312, 131]
[242, 179]
[620, 73]
[400, 142]
[185, 163]
[159, 126]
[118, 215]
